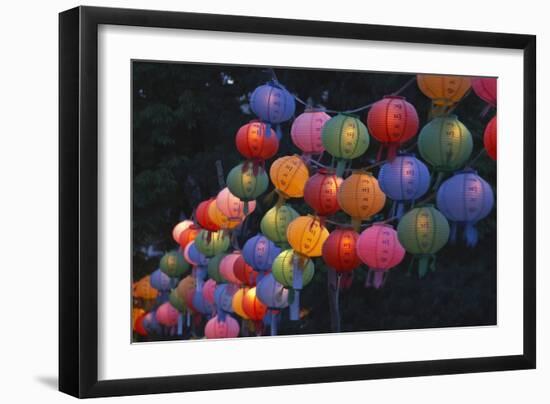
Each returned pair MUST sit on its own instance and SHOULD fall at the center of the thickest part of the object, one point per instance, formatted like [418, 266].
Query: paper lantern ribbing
[306, 235]
[208, 291]
[160, 281]
[490, 138]
[237, 302]
[211, 243]
[252, 306]
[360, 197]
[259, 252]
[283, 269]
[404, 179]
[379, 248]
[465, 199]
[345, 137]
[181, 226]
[445, 143]
[222, 221]
[392, 121]
[273, 104]
[254, 142]
[444, 91]
[202, 217]
[226, 268]
[142, 289]
[193, 256]
[226, 328]
[231, 206]
[306, 131]
[289, 175]
[275, 222]
[423, 232]
[244, 272]
[247, 182]
[173, 264]
[486, 89]
[321, 191]
[188, 235]
[214, 267]
[339, 250]
[167, 315]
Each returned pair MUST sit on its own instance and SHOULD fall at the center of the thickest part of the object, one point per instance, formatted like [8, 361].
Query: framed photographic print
[250, 201]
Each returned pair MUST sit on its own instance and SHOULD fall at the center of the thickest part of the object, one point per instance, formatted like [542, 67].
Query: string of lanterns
[203, 279]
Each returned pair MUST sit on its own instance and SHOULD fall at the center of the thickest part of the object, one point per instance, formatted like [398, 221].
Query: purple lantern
[274, 296]
[259, 252]
[273, 104]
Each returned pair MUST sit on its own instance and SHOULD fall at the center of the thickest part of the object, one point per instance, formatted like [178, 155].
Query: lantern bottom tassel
[425, 262]
[273, 325]
[376, 278]
[295, 305]
[470, 234]
[180, 324]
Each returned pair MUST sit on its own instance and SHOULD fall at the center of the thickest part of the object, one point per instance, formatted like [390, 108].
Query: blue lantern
[405, 179]
[273, 104]
[160, 281]
[259, 252]
[201, 305]
[151, 324]
[274, 296]
[465, 199]
[196, 257]
[223, 297]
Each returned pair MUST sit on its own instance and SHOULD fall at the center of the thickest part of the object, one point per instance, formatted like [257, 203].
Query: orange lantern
[181, 226]
[255, 143]
[222, 221]
[306, 235]
[339, 250]
[444, 91]
[142, 289]
[253, 307]
[289, 175]
[188, 235]
[202, 217]
[237, 303]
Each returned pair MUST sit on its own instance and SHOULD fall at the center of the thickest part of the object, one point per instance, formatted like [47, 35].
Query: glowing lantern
[237, 302]
[247, 182]
[273, 104]
[202, 217]
[360, 197]
[379, 248]
[208, 291]
[306, 131]
[289, 175]
[321, 191]
[244, 272]
[259, 252]
[173, 264]
[254, 142]
[216, 328]
[445, 143]
[223, 297]
[214, 267]
[392, 121]
[465, 199]
[274, 296]
[193, 256]
[444, 91]
[275, 222]
[306, 235]
[167, 315]
[226, 268]
[253, 307]
[231, 206]
[345, 137]
[423, 232]
[160, 281]
[142, 289]
[222, 221]
[181, 226]
[404, 179]
[176, 300]
[490, 138]
[188, 235]
[486, 89]
[138, 325]
[339, 250]
[211, 243]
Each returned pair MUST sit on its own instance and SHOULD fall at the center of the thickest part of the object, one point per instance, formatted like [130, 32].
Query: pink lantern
[208, 290]
[216, 328]
[226, 268]
[306, 131]
[486, 89]
[181, 226]
[379, 248]
[167, 315]
[231, 206]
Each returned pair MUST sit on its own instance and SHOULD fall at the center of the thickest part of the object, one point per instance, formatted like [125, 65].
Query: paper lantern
[360, 197]
[211, 243]
[465, 199]
[445, 143]
[167, 315]
[138, 325]
[214, 267]
[193, 256]
[272, 103]
[176, 300]
[405, 179]
[137, 312]
[202, 217]
[444, 91]
[275, 222]
[247, 182]
[339, 250]
[160, 281]
[255, 143]
[231, 206]
[345, 137]
[486, 89]
[181, 226]
[222, 221]
[379, 248]
[186, 287]
[244, 272]
[208, 291]
[173, 264]
[188, 235]
[200, 304]
[320, 192]
[283, 269]
[259, 252]
[423, 231]
[306, 131]
[142, 289]
[151, 324]
[306, 235]
[289, 175]
[490, 138]
[237, 302]
[392, 121]
[252, 306]
[226, 268]
[216, 328]
[223, 297]
[272, 293]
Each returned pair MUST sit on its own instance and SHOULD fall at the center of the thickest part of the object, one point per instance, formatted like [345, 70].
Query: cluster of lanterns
[207, 277]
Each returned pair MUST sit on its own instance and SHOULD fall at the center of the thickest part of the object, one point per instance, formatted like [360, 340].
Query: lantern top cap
[396, 97]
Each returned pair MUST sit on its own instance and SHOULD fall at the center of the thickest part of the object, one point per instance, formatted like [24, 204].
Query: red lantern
[138, 325]
[188, 235]
[490, 138]
[320, 192]
[254, 143]
[244, 272]
[392, 121]
[339, 250]
[486, 89]
[252, 306]
[201, 214]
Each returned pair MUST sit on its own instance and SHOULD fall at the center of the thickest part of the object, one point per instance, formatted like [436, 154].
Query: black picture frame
[78, 196]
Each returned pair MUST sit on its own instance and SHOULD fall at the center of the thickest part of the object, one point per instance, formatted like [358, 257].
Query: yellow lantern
[222, 221]
[289, 175]
[237, 302]
[306, 235]
[444, 91]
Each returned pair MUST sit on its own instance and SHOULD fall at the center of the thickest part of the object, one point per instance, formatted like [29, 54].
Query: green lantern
[210, 243]
[345, 137]
[173, 264]
[423, 231]
[247, 181]
[275, 222]
[214, 268]
[176, 301]
[285, 264]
